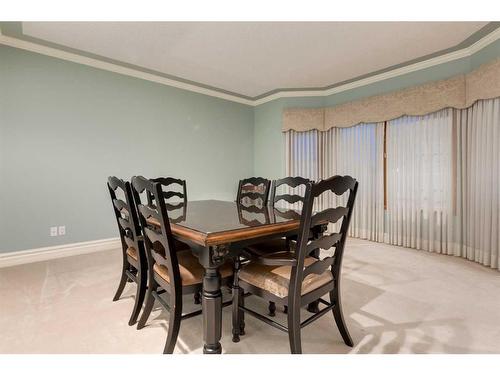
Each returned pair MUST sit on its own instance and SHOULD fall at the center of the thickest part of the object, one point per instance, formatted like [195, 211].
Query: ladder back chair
[288, 182]
[253, 191]
[172, 273]
[168, 193]
[278, 197]
[253, 215]
[299, 279]
[134, 257]
[275, 199]
[180, 193]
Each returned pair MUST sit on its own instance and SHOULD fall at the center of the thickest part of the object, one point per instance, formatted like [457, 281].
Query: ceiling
[252, 59]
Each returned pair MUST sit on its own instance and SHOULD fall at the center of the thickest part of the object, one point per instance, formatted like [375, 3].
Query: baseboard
[53, 252]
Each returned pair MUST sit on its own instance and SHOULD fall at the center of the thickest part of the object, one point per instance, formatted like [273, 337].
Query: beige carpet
[396, 301]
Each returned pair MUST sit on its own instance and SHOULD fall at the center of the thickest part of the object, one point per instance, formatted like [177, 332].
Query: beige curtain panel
[457, 92]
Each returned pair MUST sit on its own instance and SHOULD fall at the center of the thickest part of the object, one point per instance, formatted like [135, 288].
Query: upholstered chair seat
[190, 269]
[276, 279]
[132, 252]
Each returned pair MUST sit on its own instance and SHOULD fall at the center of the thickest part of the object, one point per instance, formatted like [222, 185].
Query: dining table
[217, 231]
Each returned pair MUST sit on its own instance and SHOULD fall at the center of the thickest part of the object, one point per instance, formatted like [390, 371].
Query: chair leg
[242, 312]
[123, 282]
[313, 307]
[339, 317]
[238, 301]
[294, 330]
[148, 306]
[272, 308]
[197, 298]
[139, 297]
[236, 310]
[174, 325]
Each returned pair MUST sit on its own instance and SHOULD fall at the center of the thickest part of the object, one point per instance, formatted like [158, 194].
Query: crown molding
[115, 68]
[451, 56]
[282, 93]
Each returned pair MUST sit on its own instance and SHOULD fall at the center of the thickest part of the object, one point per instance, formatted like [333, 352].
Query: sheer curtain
[419, 181]
[355, 151]
[442, 178]
[478, 182]
[303, 154]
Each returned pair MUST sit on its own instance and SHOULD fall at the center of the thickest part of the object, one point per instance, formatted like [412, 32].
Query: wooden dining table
[217, 231]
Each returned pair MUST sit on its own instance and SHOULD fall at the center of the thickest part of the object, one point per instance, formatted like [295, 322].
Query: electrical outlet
[53, 231]
[62, 230]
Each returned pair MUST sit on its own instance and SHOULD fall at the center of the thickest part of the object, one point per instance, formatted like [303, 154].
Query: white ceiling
[256, 57]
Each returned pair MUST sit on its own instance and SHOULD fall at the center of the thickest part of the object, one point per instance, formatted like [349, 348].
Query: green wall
[269, 142]
[65, 127]
[269, 153]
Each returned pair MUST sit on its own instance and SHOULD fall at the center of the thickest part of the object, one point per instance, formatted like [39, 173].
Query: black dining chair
[253, 191]
[295, 279]
[172, 273]
[175, 196]
[172, 188]
[281, 192]
[276, 198]
[253, 215]
[134, 266]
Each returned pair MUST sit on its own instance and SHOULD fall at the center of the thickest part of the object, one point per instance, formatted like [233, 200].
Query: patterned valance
[457, 92]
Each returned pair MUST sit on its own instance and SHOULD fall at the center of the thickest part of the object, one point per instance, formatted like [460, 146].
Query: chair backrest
[158, 238]
[253, 191]
[253, 215]
[174, 209]
[170, 193]
[125, 213]
[337, 185]
[288, 182]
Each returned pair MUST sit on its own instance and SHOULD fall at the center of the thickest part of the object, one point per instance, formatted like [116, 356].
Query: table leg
[212, 311]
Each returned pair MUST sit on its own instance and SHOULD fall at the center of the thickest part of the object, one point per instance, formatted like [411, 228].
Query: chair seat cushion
[276, 279]
[190, 269]
[132, 252]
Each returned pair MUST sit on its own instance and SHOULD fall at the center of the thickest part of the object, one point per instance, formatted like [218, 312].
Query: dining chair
[294, 278]
[175, 188]
[253, 215]
[281, 191]
[171, 273]
[134, 266]
[253, 191]
[275, 200]
[169, 192]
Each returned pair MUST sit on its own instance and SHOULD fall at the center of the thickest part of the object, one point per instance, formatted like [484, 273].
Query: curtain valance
[457, 92]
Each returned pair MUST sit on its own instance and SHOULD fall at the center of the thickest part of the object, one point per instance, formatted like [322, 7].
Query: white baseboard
[52, 252]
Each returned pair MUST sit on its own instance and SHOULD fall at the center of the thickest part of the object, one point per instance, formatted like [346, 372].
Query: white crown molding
[53, 252]
[95, 63]
[64, 55]
[455, 55]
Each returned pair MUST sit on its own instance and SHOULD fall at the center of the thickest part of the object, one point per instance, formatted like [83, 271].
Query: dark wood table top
[214, 222]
